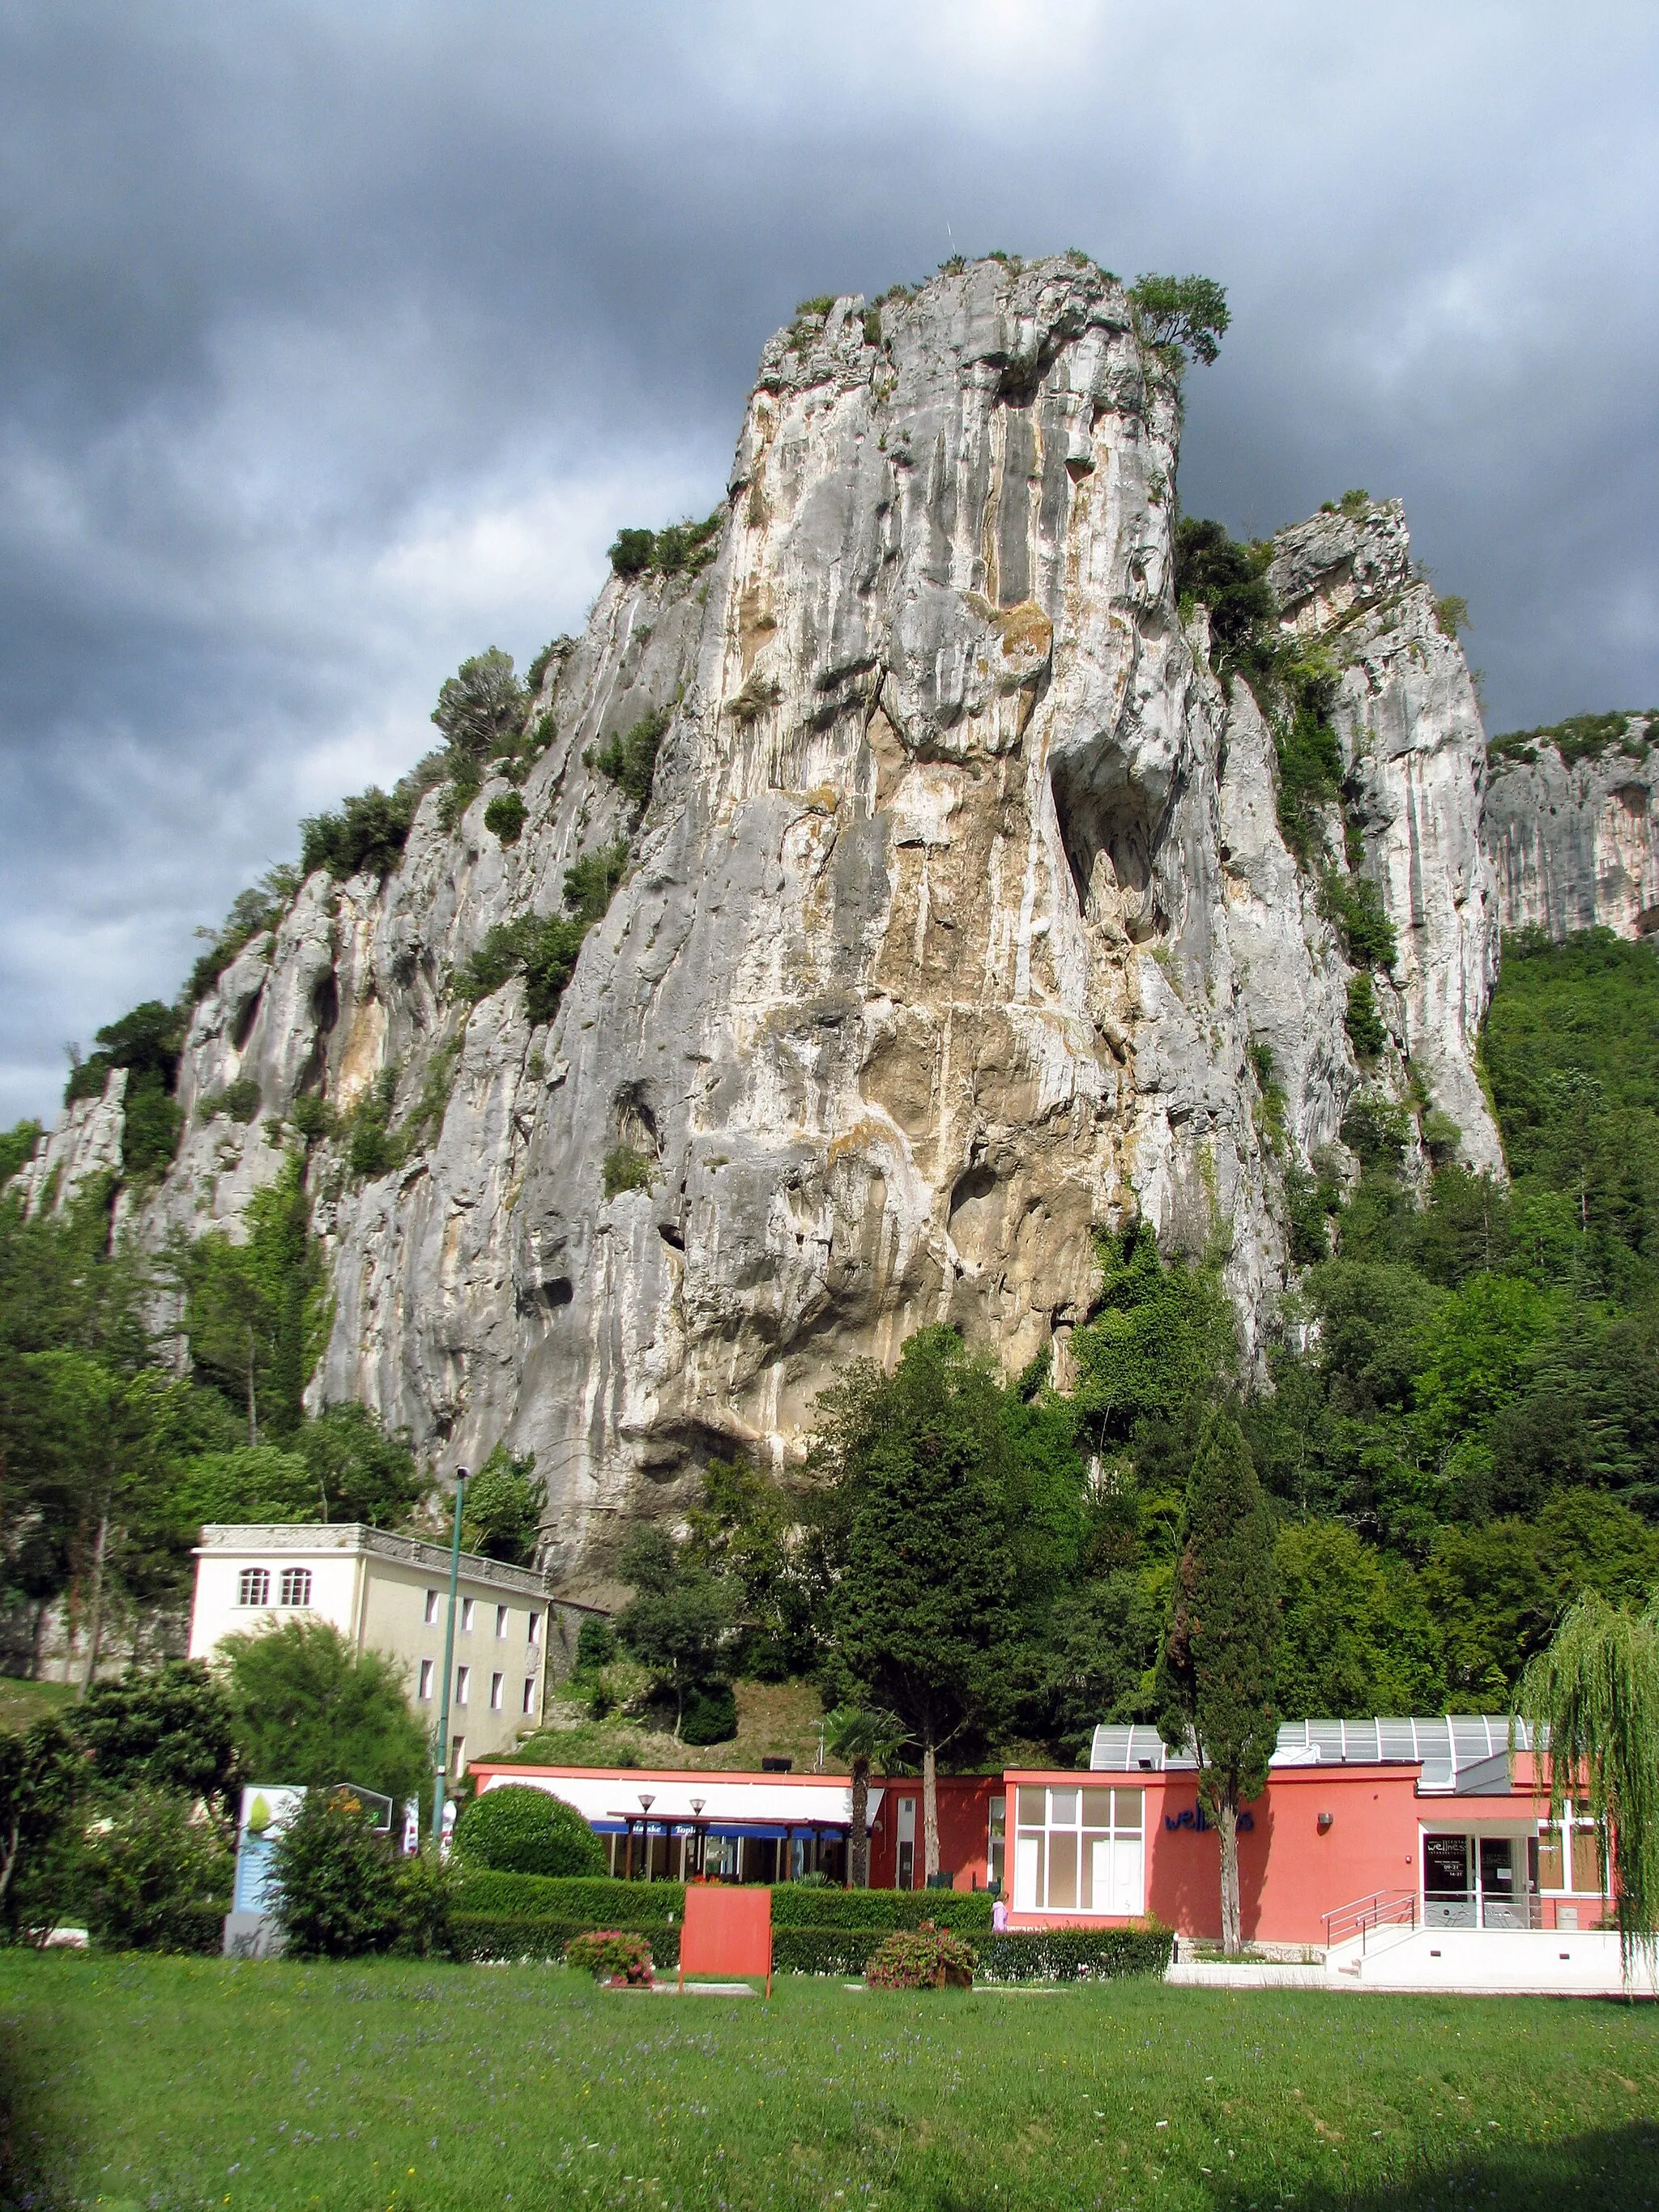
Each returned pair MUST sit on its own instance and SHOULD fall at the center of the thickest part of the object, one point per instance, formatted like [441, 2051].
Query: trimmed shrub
[1074, 1955]
[875, 1911]
[611, 1954]
[340, 1895]
[514, 1829]
[499, 1937]
[596, 1902]
[924, 1958]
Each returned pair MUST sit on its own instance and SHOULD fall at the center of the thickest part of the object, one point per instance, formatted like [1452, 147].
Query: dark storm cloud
[337, 342]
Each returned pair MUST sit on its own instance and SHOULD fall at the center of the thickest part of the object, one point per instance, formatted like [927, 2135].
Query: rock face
[958, 927]
[1572, 846]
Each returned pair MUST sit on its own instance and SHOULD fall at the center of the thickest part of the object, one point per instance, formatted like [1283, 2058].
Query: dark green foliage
[589, 1901]
[147, 1042]
[1074, 1955]
[311, 1117]
[818, 304]
[365, 836]
[360, 1470]
[172, 1729]
[1216, 1672]
[370, 1152]
[237, 1101]
[873, 326]
[253, 913]
[631, 758]
[481, 709]
[1355, 904]
[742, 1529]
[1309, 760]
[926, 1958]
[507, 1936]
[506, 816]
[710, 1715]
[626, 1168]
[542, 948]
[503, 1509]
[150, 1128]
[311, 1708]
[254, 1316]
[875, 1911]
[596, 1645]
[152, 1877]
[1580, 737]
[513, 1829]
[17, 1146]
[42, 1775]
[249, 1483]
[589, 884]
[1161, 1333]
[679, 1617]
[1452, 614]
[684, 549]
[1366, 1033]
[536, 674]
[1181, 315]
[1214, 570]
[342, 1892]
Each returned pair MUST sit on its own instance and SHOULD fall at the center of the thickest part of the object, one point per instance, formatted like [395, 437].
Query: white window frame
[497, 1692]
[533, 1633]
[253, 1587]
[429, 1667]
[463, 1684]
[530, 1693]
[294, 1592]
[1100, 1834]
[466, 1616]
[431, 1606]
[1574, 1823]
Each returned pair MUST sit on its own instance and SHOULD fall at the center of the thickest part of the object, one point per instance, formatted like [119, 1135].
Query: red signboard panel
[726, 1932]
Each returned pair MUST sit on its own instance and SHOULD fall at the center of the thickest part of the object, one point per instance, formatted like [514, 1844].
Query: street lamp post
[696, 1836]
[646, 1801]
[440, 1768]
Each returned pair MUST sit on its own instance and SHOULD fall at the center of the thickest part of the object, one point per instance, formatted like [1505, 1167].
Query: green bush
[630, 553]
[1363, 1022]
[237, 1101]
[365, 836]
[1309, 767]
[921, 1959]
[875, 1911]
[843, 1950]
[710, 1715]
[1181, 315]
[343, 1894]
[150, 1125]
[588, 1901]
[606, 1952]
[515, 1829]
[481, 709]
[589, 884]
[681, 550]
[1355, 904]
[153, 1878]
[496, 1937]
[596, 1644]
[627, 1168]
[631, 758]
[17, 1146]
[1074, 1955]
[506, 816]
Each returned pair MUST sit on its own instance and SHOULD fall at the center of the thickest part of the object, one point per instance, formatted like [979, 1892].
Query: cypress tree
[1216, 1671]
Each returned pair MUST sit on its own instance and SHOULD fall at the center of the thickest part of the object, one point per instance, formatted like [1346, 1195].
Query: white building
[390, 1594]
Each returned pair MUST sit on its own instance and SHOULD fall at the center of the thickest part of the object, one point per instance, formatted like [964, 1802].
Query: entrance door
[907, 1843]
[1503, 1904]
[1448, 1888]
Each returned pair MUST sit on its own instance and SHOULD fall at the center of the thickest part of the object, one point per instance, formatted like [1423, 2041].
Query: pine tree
[1215, 1675]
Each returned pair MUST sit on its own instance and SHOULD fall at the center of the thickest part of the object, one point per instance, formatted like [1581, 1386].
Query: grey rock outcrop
[959, 925]
[1574, 845]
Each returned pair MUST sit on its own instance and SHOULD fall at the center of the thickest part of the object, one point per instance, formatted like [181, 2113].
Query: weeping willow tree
[1591, 1702]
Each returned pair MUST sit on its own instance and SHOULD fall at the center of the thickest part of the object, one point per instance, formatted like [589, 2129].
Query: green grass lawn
[167, 2083]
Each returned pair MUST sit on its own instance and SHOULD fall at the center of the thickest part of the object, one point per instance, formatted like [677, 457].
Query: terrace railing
[1384, 1908]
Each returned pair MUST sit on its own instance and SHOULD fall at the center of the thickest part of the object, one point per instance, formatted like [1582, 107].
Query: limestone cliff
[959, 925]
[1573, 841]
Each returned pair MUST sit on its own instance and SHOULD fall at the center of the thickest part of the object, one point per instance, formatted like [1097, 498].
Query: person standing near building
[1000, 1915]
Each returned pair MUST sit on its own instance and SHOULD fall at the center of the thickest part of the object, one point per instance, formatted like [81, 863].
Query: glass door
[1503, 1902]
[1448, 1900]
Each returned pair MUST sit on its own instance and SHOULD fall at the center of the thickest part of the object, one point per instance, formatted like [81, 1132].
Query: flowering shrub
[610, 1954]
[925, 1958]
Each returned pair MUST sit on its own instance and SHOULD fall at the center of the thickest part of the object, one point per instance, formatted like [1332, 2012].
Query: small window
[532, 1634]
[431, 1606]
[501, 1621]
[497, 1684]
[466, 1615]
[463, 1682]
[530, 1695]
[296, 1586]
[425, 1691]
[458, 1756]
[253, 1586]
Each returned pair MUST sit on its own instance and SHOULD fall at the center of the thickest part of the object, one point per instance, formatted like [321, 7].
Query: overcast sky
[338, 341]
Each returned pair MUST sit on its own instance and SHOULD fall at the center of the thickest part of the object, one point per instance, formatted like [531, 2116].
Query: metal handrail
[1383, 1908]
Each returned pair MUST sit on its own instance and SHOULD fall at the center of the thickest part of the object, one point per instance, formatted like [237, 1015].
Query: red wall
[965, 1828]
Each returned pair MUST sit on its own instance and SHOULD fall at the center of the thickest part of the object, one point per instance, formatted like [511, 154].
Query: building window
[425, 1691]
[532, 1634]
[1080, 1850]
[296, 1586]
[501, 1621]
[1571, 1869]
[497, 1683]
[997, 1841]
[907, 1844]
[530, 1695]
[466, 1615]
[253, 1586]
[463, 1682]
[431, 1606]
[458, 1756]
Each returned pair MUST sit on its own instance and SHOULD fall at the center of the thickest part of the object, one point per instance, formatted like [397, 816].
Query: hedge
[504, 1936]
[1072, 1954]
[594, 1901]
[965, 1912]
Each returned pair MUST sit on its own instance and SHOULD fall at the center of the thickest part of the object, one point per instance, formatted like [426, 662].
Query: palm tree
[864, 1736]
[1590, 1700]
